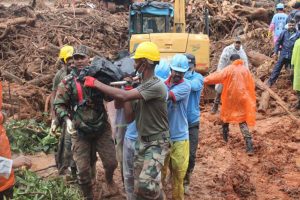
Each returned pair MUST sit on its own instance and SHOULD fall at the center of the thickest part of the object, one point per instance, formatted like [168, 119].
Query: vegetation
[31, 187]
[29, 136]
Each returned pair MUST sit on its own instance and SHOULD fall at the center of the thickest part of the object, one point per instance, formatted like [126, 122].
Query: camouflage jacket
[60, 74]
[88, 114]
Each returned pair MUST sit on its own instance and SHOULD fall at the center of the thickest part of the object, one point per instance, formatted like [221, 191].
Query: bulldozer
[164, 24]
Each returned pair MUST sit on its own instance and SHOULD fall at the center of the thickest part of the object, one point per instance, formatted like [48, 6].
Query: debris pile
[31, 39]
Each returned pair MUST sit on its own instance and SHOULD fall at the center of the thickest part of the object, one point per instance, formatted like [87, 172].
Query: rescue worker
[193, 115]
[284, 46]
[294, 12]
[7, 164]
[278, 22]
[235, 48]
[86, 120]
[179, 90]
[130, 139]
[296, 67]
[64, 157]
[150, 114]
[238, 98]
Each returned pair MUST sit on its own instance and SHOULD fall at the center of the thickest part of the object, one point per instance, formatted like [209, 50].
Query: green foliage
[31, 187]
[29, 136]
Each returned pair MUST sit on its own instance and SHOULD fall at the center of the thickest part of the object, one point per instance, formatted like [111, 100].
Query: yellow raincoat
[238, 96]
[296, 63]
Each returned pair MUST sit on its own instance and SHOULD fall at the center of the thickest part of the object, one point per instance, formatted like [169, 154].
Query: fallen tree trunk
[12, 77]
[264, 102]
[242, 37]
[257, 58]
[15, 21]
[42, 80]
[278, 100]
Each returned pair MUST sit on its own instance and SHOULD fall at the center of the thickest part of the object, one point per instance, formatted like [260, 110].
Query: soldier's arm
[62, 101]
[116, 93]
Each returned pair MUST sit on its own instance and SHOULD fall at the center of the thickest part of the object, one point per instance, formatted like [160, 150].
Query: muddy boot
[186, 183]
[225, 131]
[217, 101]
[87, 191]
[110, 189]
[249, 146]
[214, 108]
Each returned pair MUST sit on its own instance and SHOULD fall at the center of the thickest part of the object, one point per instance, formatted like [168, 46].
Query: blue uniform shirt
[279, 21]
[193, 111]
[177, 109]
[131, 131]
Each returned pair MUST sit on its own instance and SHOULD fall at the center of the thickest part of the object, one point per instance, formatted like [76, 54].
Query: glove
[70, 127]
[53, 128]
[89, 81]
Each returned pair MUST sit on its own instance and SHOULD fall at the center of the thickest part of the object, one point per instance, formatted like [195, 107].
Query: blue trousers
[277, 68]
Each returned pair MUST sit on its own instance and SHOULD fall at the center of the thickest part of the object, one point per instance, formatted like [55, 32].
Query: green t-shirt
[151, 111]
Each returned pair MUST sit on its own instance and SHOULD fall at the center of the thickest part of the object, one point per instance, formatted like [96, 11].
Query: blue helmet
[280, 6]
[162, 70]
[179, 63]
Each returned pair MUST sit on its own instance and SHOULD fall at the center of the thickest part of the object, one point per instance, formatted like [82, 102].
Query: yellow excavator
[164, 24]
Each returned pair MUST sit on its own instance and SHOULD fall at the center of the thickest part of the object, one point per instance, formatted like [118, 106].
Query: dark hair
[234, 57]
[292, 21]
[280, 9]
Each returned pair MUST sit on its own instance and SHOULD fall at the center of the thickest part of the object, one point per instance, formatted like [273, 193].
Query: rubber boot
[215, 108]
[87, 191]
[225, 130]
[217, 101]
[249, 146]
[186, 183]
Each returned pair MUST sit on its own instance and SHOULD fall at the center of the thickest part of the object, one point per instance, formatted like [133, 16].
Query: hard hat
[280, 6]
[147, 50]
[162, 70]
[179, 63]
[66, 52]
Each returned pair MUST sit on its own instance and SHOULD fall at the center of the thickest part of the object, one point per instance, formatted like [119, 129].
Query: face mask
[188, 74]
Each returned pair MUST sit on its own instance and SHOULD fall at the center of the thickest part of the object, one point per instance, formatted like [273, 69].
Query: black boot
[87, 191]
[225, 130]
[249, 146]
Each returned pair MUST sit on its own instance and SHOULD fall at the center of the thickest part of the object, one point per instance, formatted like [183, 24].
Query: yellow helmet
[147, 50]
[66, 52]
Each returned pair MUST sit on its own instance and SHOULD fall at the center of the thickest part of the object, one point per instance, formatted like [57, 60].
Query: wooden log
[15, 21]
[242, 37]
[42, 80]
[264, 102]
[278, 100]
[257, 58]
[12, 77]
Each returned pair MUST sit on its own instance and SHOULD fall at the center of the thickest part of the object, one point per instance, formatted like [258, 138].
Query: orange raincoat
[4, 151]
[238, 96]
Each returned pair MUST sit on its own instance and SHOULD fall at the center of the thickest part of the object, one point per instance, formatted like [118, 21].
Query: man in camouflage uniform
[84, 113]
[63, 157]
[150, 113]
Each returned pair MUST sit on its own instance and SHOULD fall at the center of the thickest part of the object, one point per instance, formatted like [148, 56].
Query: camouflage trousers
[64, 157]
[148, 163]
[84, 153]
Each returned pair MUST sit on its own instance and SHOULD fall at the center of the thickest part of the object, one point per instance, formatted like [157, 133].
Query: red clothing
[4, 151]
[238, 96]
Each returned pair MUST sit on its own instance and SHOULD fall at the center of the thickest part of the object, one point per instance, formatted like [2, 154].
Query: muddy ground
[224, 171]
